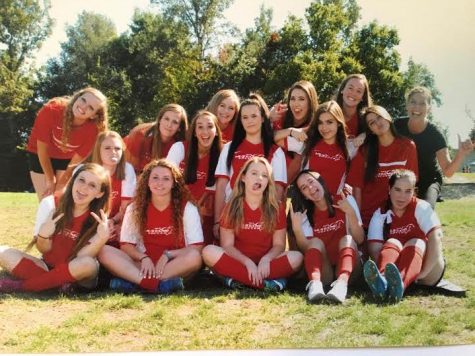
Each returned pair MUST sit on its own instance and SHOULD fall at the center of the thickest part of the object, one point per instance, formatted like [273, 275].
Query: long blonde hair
[234, 211]
[100, 117]
[95, 156]
[219, 97]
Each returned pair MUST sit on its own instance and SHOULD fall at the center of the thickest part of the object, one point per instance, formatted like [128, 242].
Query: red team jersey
[244, 152]
[251, 240]
[140, 146]
[328, 160]
[418, 221]
[48, 128]
[352, 126]
[227, 133]
[63, 243]
[398, 155]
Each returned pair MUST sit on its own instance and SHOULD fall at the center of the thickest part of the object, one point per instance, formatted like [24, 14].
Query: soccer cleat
[171, 285]
[395, 284]
[8, 285]
[376, 281]
[315, 291]
[275, 285]
[231, 283]
[121, 285]
[338, 292]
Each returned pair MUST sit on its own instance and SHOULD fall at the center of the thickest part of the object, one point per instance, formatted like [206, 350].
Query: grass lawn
[221, 319]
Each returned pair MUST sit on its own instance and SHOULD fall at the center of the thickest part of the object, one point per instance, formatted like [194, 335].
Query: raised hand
[48, 227]
[103, 225]
[297, 217]
[278, 111]
[343, 204]
[466, 146]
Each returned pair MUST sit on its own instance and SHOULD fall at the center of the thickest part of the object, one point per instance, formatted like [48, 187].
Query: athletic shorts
[35, 166]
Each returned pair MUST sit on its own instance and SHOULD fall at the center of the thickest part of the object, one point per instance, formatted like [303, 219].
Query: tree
[203, 18]
[24, 25]
[80, 56]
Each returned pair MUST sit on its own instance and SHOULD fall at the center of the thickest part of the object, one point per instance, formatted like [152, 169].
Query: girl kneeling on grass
[252, 235]
[161, 236]
[69, 233]
[327, 234]
[404, 238]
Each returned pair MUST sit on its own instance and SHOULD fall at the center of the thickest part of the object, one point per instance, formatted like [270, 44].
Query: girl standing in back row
[62, 136]
[225, 105]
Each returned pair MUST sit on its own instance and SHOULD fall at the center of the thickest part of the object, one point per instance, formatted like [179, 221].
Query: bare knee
[318, 244]
[347, 241]
[193, 258]
[418, 243]
[83, 267]
[295, 259]
[396, 243]
[211, 255]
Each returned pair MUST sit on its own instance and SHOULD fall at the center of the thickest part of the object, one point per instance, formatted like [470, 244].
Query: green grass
[220, 319]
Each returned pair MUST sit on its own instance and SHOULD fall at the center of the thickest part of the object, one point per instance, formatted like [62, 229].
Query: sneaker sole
[395, 285]
[374, 279]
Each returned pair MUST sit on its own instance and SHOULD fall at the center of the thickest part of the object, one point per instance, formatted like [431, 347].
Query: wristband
[44, 237]
[144, 257]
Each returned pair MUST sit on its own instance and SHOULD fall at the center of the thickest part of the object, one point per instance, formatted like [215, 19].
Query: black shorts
[35, 166]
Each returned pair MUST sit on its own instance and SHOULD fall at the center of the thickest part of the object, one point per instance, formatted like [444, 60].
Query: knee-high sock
[58, 276]
[346, 262]
[313, 263]
[150, 284]
[280, 268]
[389, 254]
[26, 269]
[410, 264]
[230, 267]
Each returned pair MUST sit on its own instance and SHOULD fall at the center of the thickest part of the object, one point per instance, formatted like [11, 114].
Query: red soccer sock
[26, 269]
[389, 254]
[410, 264]
[346, 262]
[313, 264]
[150, 284]
[280, 268]
[230, 267]
[51, 279]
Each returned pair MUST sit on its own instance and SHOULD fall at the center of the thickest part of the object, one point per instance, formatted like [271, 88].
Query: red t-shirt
[399, 154]
[160, 233]
[330, 231]
[48, 128]
[140, 146]
[251, 239]
[245, 151]
[63, 243]
[352, 126]
[227, 133]
[329, 161]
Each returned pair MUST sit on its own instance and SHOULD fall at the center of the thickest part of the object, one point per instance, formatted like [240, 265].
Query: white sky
[438, 33]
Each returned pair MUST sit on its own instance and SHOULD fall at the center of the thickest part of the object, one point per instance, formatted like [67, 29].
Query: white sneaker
[315, 291]
[338, 291]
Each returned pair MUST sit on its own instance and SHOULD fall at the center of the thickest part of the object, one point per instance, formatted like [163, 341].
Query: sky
[437, 33]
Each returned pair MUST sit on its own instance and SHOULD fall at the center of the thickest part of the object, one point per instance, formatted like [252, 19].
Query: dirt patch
[458, 190]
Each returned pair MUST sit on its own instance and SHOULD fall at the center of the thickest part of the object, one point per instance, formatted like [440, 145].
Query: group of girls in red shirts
[216, 193]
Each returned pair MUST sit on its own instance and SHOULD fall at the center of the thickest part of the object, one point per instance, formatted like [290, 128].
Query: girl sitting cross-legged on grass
[252, 235]
[69, 233]
[161, 237]
[327, 232]
[404, 239]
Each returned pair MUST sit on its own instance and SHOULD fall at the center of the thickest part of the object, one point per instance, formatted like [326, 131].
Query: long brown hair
[154, 128]
[100, 117]
[234, 211]
[180, 196]
[95, 156]
[334, 110]
[191, 156]
[312, 97]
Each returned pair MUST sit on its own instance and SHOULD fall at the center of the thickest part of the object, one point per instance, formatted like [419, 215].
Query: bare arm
[433, 250]
[75, 160]
[219, 203]
[448, 166]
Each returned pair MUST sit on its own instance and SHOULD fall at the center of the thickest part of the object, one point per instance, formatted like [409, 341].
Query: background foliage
[186, 51]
